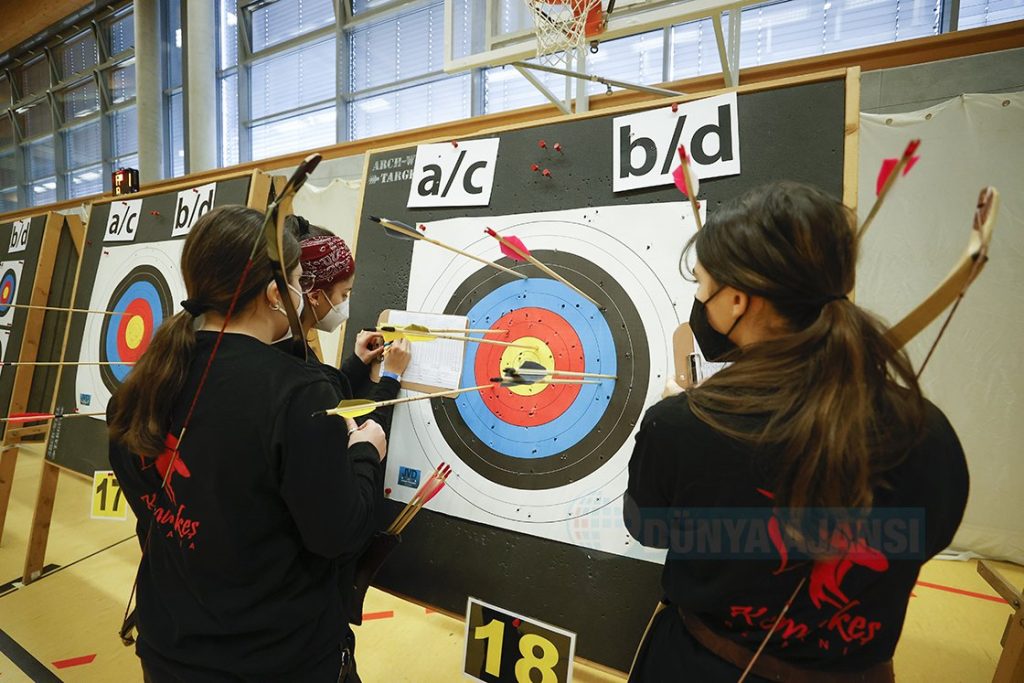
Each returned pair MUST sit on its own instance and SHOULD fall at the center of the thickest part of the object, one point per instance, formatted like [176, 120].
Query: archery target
[140, 286]
[10, 278]
[549, 460]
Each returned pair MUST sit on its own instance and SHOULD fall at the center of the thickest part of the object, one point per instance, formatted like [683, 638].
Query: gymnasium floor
[66, 623]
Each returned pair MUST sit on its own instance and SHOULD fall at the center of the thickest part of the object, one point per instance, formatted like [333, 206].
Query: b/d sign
[644, 145]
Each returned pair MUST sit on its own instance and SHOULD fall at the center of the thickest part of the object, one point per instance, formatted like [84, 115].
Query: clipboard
[382, 320]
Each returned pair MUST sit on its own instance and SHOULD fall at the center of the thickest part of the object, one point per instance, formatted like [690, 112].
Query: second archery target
[10, 277]
[549, 459]
[139, 287]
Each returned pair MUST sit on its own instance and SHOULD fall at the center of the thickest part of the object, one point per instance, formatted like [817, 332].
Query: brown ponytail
[838, 404]
[212, 261]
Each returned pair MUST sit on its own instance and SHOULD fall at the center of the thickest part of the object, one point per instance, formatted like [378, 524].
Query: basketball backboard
[480, 33]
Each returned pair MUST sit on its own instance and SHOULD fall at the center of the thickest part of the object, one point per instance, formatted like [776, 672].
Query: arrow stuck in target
[533, 369]
[514, 248]
[360, 407]
[402, 231]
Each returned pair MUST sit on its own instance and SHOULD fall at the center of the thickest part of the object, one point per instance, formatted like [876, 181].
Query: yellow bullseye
[134, 331]
[7, 291]
[513, 358]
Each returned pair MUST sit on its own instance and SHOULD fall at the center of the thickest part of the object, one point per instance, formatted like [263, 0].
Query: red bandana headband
[327, 260]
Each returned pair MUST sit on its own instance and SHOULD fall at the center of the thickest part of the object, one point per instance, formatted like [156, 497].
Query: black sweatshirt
[737, 578]
[241, 576]
[353, 381]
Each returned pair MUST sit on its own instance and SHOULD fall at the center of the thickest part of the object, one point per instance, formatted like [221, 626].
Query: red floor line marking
[378, 615]
[74, 661]
[961, 591]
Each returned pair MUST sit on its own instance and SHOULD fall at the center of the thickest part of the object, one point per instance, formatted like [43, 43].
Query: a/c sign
[460, 174]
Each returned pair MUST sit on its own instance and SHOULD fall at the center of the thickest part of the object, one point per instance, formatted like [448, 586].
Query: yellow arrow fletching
[353, 408]
[424, 333]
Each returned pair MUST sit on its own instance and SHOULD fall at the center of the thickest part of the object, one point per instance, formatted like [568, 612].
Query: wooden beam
[22, 20]
[903, 53]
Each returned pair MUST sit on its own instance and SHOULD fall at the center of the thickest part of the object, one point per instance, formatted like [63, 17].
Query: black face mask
[713, 344]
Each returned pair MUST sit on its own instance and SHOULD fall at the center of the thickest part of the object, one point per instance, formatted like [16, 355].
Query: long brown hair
[212, 261]
[832, 399]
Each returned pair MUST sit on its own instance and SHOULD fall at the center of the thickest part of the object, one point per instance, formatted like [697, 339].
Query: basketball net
[563, 26]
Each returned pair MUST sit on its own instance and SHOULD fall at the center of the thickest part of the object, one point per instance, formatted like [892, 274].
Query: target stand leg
[8, 461]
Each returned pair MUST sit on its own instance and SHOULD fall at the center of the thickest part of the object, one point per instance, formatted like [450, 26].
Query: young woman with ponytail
[809, 472]
[243, 528]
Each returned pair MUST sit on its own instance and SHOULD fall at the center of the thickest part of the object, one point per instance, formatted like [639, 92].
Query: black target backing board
[29, 249]
[797, 130]
[81, 443]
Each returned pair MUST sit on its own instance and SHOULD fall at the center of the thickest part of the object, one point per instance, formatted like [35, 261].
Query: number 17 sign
[505, 647]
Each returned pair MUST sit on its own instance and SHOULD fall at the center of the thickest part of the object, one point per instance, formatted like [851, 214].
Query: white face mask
[298, 311]
[334, 317]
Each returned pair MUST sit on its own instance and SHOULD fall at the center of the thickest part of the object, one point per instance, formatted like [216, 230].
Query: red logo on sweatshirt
[170, 458]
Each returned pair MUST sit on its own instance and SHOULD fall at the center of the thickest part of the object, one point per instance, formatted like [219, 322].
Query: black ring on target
[624, 407]
[139, 294]
[8, 291]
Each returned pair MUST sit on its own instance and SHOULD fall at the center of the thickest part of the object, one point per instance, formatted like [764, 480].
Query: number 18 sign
[505, 647]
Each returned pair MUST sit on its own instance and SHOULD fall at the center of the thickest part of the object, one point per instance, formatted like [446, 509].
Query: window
[977, 13]
[396, 75]
[293, 79]
[229, 120]
[61, 105]
[174, 150]
[397, 49]
[422, 105]
[276, 22]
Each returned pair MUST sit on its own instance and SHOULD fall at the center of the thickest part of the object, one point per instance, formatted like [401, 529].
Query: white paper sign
[123, 221]
[19, 235]
[450, 175]
[644, 145]
[190, 207]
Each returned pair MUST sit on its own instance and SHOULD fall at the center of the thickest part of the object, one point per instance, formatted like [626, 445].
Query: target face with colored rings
[139, 304]
[8, 290]
[541, 436]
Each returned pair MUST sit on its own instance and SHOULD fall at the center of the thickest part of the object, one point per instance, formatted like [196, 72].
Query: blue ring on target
[9, 280]
[580, 418]
[137, 290]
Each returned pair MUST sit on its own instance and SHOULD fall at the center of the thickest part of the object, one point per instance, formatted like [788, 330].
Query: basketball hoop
[563, 26]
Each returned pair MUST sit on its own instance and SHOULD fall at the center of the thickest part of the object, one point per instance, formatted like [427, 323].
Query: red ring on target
[554, 400]
[135, 313]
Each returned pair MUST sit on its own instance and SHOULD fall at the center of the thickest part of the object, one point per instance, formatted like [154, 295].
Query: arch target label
[550, 460]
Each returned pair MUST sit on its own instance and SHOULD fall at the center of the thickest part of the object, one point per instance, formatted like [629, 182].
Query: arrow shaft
[63, 363]
[39, 417]
[543, 268]
[685, 163]
[479, 340]
[565, 373]
[889, 182]
[409, 399]
[64, 309]
[436, 243]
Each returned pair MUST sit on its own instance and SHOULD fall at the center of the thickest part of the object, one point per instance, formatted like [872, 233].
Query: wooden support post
[1010, 667]
[8, 461]
[39, 533]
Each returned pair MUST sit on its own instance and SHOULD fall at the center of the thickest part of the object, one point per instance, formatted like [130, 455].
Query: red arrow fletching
[518, 244]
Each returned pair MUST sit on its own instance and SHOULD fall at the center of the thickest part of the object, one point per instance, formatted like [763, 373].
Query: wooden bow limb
[952, 289]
